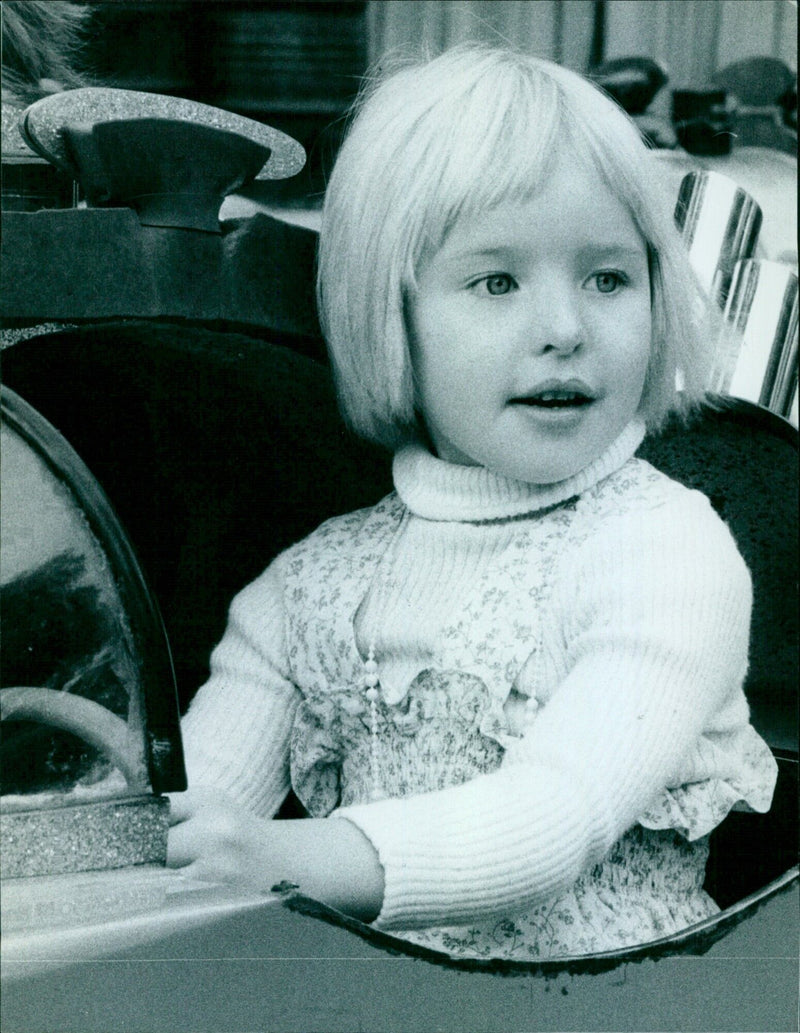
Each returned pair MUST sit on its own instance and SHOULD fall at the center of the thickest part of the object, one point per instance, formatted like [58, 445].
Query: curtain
[560, 30]
[690, 38]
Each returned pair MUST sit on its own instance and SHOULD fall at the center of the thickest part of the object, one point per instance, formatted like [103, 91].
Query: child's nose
[556, 322]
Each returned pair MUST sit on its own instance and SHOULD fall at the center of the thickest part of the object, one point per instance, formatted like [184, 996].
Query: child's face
[530, 330]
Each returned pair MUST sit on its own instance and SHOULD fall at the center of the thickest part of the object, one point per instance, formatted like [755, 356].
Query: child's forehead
[569, 178]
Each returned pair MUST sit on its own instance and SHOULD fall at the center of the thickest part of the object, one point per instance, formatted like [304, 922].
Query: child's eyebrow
[499, 251]
[612, 252]
[593, 252]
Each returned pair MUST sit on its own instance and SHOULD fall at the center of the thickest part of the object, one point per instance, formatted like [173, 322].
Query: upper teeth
[553, 396]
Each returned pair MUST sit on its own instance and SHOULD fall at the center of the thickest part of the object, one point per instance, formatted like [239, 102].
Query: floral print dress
[448, 726]
[446, 731]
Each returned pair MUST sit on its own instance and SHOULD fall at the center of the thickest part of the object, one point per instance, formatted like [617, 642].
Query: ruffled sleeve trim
[696, 808]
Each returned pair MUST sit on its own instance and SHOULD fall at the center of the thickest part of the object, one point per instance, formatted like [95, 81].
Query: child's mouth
[556, 400]
[555, 396]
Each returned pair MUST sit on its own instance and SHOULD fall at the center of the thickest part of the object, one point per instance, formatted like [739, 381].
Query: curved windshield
[81, 650]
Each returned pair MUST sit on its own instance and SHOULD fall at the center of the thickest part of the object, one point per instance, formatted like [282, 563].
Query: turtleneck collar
[437, 490]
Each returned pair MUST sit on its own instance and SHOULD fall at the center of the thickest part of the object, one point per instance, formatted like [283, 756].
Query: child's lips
[555, 395]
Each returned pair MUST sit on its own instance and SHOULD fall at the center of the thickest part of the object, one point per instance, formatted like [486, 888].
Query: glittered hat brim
[42, 124]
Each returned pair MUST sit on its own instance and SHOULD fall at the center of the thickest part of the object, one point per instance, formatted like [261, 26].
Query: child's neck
[437, 490]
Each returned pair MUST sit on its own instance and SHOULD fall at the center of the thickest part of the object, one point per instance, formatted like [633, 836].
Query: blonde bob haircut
[459, 134]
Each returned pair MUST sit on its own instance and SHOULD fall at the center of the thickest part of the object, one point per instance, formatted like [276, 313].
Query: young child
[509, 695]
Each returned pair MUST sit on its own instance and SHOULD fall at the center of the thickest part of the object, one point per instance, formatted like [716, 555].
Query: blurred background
[297, 65]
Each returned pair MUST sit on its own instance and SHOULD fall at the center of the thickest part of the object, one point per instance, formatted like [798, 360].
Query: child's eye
[608, 281]
[497, 284]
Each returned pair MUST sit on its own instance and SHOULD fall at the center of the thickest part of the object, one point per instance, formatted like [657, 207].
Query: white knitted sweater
[617, 599]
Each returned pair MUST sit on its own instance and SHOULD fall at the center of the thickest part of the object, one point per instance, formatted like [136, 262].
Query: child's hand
[214, 838]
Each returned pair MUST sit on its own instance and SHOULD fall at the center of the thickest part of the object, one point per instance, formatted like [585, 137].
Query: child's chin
[546, 470]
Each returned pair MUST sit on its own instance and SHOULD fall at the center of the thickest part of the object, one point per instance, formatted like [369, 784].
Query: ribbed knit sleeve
[236, 732]
[654, 609]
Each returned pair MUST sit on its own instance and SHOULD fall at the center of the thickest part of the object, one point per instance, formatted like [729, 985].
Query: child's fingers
[181, 847]
[181, 807]
[178, 853]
